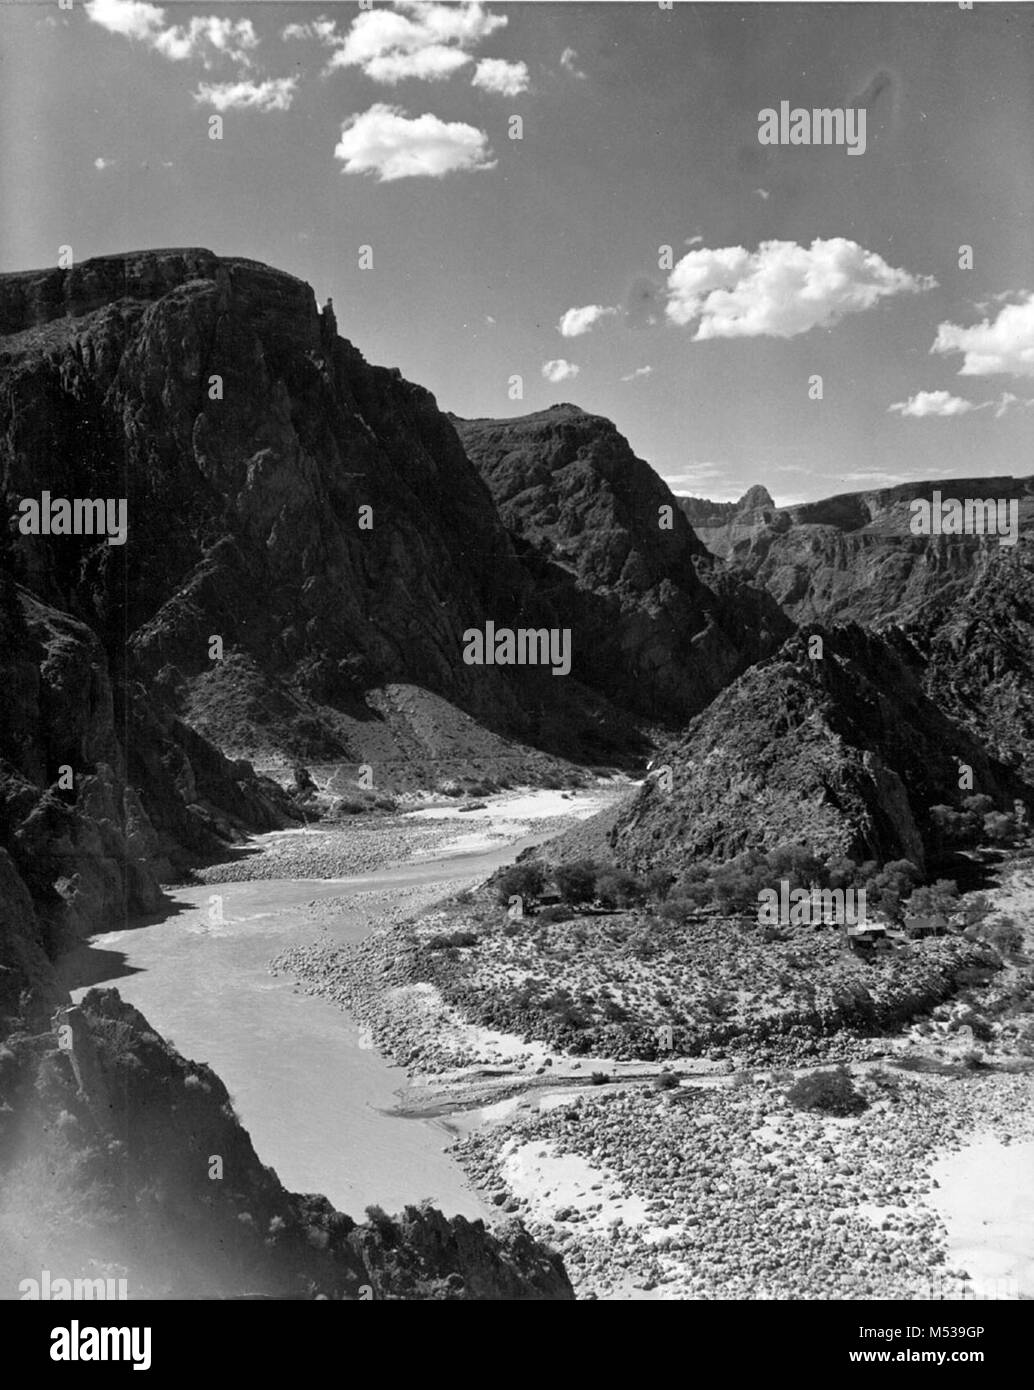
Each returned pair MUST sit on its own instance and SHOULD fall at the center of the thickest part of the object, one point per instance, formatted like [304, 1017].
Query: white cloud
[943, 404]
[694, 240]
[569, 62]
[575, 322]
[322, 29]
[503, 78]
[781, 289]
[763, 194]
[275, 95]
[417, 39]
[101, 163]
[1005, 346]
[557, 370]
[940, 403]
[430, 64]
[386, 142]
[639, 372]
[206, 37]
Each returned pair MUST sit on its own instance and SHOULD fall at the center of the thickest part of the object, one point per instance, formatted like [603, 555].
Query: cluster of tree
[976, 823]
[894, 889]
[580, 882]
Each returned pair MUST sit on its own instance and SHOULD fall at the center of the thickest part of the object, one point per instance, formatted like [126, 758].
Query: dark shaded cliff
[607, 542]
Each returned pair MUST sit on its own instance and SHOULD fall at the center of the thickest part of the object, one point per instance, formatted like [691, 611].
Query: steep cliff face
[245, 438]
[980, 656]
[608, 544]
[844, 753]
[90, 828]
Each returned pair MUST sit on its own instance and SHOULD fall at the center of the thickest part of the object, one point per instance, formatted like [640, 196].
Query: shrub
[982, 1030]
[973, 1061]
[677, 910]
[521, 881]
[665, 1081]
[830, 1092]
[599, 1078]
[999, 828]
[555, 913]
[456, 938]
[1006, 936]
[576, 882]
[381, 1223]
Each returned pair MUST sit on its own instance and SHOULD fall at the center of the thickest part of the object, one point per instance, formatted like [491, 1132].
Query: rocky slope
[845, 753]
[608, 543]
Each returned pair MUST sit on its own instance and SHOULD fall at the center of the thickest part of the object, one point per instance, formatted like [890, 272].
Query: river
[314, 1101]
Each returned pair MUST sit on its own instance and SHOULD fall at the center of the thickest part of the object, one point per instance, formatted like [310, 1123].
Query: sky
[637, 251]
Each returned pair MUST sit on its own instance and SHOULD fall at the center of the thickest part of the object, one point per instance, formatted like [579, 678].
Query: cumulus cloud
[639, 372]
[386, 142]
[1004, 346]
[101, 163]
[557, 370]
[275, 95]
[207, 37]
[941, 403]
[944, 404]
[575, 322]
[503, 78]
[781, 289]
[418, 38]
[569, 62]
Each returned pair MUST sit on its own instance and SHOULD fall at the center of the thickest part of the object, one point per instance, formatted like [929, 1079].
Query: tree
[999, 828]
[616, 888]
[658, 883]
[576, 882]
[933, 900]
[520, 881]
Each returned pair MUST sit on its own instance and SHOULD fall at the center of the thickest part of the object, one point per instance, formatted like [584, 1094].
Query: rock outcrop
[118, 1157]
[720, 525]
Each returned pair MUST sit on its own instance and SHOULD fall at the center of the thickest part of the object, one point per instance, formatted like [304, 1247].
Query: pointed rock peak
[755, 497]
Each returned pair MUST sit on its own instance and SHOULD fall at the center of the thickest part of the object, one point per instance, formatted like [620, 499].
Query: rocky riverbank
[730, 1193]
[707, 1182]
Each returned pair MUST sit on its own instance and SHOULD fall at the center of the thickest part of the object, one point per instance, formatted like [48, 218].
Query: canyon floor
[274, 967]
